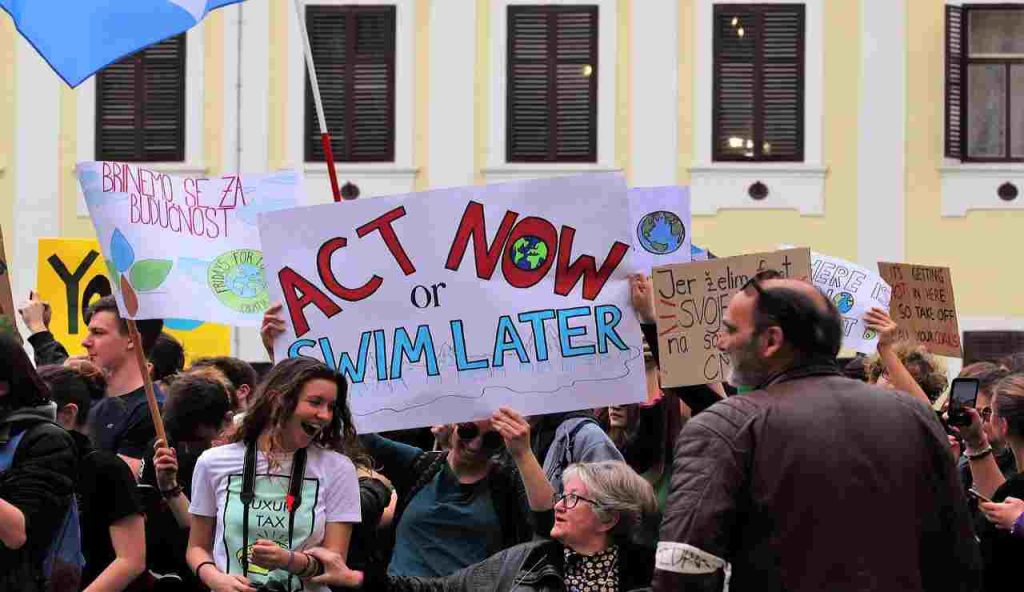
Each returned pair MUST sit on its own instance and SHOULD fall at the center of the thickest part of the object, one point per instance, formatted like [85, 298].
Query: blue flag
[80, 37]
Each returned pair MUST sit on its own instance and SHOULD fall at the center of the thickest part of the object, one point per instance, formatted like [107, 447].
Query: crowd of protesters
[800, 473]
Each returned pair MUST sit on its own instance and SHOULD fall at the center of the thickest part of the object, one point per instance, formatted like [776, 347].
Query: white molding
[973, 187]
[795, 186]
[230, 156]
[85, 105]
[317, 184]
[452, 93]
[808, 194]
[655, 106]
[607, 58]
[881, 191]
[526, 171]
[36, 173]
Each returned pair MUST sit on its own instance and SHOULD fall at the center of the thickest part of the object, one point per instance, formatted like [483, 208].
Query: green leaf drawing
[148, 274]
[113, 274]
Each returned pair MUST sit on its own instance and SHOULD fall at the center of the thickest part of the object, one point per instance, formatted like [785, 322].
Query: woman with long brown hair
[282, 486]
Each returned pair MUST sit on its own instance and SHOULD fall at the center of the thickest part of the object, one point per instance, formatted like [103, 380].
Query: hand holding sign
[641, 295]
[36, 313]
[881, 323]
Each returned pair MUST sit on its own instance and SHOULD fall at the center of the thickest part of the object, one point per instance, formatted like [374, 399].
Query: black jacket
[535, 566]
[47, 350]
[40, 483]
[816, 482]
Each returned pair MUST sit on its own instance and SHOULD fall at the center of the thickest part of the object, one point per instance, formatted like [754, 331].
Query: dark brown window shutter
[954, 80]
[551, 100]
[354, 52]
[758, 86]
[140, 105]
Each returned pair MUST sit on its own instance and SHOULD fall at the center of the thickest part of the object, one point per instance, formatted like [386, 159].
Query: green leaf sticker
[148, 274]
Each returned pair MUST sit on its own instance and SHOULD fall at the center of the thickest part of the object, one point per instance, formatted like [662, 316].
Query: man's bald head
[810, 323]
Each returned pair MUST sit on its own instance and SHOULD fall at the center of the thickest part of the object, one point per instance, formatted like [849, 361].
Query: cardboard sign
[854, 290]
[661, 225]
[923, 306]
[184, 247]
[442, 306]
[71, 276]
[8, 320]
[690, 300]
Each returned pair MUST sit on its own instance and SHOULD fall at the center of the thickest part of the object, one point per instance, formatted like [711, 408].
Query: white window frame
[972, 185]
[372, 178]
[791, 185]
[194, 163]
[498, 168]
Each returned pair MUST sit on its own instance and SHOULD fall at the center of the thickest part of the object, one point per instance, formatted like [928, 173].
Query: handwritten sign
[690, 300]
[923, 306]
[442, 306]
[71, 276]
[661, 225]
[184, 247]
[854, 290]
[8, 323]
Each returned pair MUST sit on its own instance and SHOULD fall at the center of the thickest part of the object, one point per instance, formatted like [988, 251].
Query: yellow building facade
[873, 183]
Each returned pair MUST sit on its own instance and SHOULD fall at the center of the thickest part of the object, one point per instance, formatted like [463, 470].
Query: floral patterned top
[592, 573]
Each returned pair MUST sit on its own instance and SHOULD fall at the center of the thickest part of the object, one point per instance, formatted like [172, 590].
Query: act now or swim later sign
[442, 306]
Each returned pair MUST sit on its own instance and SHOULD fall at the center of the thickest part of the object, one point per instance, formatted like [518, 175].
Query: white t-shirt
[330, 493]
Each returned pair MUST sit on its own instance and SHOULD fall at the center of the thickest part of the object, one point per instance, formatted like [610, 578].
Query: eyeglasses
[468, 432]
[571, 499]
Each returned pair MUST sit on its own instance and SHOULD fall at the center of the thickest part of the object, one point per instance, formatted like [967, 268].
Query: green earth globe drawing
[529, 253]
[661, 232]
[245, 281]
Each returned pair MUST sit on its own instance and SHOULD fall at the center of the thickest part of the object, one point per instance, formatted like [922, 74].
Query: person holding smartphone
[1001, 550]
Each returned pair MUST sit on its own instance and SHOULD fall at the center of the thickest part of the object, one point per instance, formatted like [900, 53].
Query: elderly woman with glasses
[603, 506]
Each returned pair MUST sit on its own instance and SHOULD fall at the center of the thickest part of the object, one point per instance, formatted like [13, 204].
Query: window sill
[535, 170]
[369, 169]
[725, 185]
[974, 186]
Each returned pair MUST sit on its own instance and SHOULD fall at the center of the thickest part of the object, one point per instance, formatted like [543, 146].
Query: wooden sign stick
[140, 358]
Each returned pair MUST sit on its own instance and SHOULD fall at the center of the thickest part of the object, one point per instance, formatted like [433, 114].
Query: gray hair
[616, 490]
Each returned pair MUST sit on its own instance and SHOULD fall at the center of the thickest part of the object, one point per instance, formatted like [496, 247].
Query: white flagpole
[325, 136]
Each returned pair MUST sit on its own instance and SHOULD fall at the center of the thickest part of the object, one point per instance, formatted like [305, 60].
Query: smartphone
[977, 495]
[963, 393]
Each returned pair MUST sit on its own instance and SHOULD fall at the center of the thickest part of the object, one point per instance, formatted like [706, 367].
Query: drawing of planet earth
[844, 302]
[529, 253]
[661, 232]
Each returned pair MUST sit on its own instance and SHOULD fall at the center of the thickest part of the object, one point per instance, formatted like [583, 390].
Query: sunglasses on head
[469, 431]
[761, 276]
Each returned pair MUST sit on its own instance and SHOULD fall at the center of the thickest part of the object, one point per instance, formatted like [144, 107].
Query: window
[552, 84]
[140, 105]
[985, 83]
[354, 52]
[758, 112]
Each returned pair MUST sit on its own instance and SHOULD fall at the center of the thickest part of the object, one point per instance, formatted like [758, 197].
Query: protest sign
[442, 306]
[697, 253]
[690, 300]
[661, 225]
[923, 306]
[71, 276]
[8, 323]
[854, 290]
[184, 247]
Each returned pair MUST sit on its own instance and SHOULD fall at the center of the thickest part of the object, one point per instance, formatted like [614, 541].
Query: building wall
[877, 135]
[979, 246]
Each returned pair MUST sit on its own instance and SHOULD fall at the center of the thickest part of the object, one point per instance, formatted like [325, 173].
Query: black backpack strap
[294, 499]
[247, 495]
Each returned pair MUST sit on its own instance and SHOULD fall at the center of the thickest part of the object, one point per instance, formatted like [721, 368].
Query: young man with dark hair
[120, 423]
[239, 373]
[805, 483]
